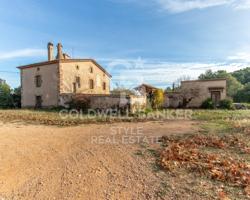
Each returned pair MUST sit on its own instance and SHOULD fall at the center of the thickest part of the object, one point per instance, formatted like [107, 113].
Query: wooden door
[216, 97]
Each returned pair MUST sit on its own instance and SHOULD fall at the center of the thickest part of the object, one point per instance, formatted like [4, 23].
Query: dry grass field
[45, 157]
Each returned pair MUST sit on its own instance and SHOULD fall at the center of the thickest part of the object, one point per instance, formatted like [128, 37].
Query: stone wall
[105, 102]
[172, 100]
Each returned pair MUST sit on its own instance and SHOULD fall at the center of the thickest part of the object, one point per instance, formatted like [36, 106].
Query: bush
[208, 104]
[82, 104]
[158, 98]
[16, 97]
[247, 105]
[6, 100]
[243, 95]
[226, 104]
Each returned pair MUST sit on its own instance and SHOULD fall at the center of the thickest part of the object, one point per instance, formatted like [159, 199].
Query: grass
[214, 115]
[53, 117]
[219, 120]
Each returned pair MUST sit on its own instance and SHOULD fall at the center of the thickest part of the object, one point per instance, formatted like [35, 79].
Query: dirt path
[84, 162]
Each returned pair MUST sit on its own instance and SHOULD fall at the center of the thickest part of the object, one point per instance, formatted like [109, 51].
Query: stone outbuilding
[192, 94]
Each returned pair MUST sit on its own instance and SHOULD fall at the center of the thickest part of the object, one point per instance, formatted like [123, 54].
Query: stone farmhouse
[191, 94]
[60, 79]
[49, 83]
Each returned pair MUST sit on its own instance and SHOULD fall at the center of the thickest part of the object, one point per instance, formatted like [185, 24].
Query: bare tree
[180, 79]
[188, 94]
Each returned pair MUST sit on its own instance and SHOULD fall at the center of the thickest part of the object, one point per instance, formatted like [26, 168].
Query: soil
[95, 161]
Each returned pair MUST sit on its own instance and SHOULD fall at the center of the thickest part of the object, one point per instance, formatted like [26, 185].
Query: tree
[158, 98]
[243, 95]
[189, 94]
[180, 79]
[16, 96]
[6, 100]
[243, 75]
[168, 89]
[233, 85]
[209, 74]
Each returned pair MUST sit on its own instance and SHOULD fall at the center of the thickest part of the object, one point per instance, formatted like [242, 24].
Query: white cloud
[22, 53]
[241, 4]
[240, 57]
[132, 72]
[177, 6]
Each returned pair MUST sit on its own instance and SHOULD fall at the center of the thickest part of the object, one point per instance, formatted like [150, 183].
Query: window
[38, 81]
[77, 67]
[91, 69]
[38, 69]
[91, 84]
[104, 86]
[78, 81]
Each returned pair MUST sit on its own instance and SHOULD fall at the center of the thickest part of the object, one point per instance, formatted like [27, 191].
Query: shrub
[247, 105]
[208, 104]
[226, 104]
[82, 104]
[158, 98]
[16, 97]
[6, 100]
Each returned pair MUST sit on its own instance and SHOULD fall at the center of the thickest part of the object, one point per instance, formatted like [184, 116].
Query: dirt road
[84, 162]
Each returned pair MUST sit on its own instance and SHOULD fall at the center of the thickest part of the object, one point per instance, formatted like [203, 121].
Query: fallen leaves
[187, 153]
[247, 190]
[222, 195]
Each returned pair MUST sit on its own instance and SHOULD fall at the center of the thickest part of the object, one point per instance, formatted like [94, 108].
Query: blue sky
[151, 41]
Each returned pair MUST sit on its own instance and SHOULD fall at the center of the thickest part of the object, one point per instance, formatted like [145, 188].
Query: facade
[191, 94]
[50, 83]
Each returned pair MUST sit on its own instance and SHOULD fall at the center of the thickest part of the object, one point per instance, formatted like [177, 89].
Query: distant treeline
[9, 98]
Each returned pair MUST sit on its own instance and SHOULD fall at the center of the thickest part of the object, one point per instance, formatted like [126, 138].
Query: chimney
[59, 51]
[50, 51]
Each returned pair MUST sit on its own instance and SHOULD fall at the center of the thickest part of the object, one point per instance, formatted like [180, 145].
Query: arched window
[91, 84]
